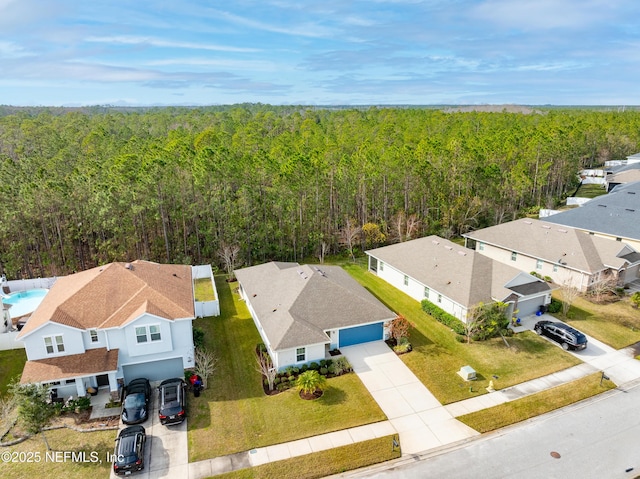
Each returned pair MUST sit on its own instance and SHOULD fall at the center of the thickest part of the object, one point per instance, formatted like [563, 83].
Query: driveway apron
[420, 420]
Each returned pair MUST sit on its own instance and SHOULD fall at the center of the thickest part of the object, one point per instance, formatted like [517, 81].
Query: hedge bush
[555, 306]
[443, 317]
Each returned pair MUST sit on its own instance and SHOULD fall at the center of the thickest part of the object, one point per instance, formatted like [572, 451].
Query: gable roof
[459, 273]
[110, 296]
[92, 361]
[295, 304]
[616, 213]
[570, 247]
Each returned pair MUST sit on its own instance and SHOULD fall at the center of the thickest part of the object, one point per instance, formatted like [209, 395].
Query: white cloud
[156, 42]
[12, 50]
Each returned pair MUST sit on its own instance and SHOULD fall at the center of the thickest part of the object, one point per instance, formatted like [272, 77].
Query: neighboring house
[567, 255]
[456, 278]
[627, 161]
[621, 175]
[615, 215]
[302, 312]
[111, 323]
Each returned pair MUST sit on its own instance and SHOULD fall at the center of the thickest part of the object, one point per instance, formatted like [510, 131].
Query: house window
[54, 344]
[426, 291]
[539, 264]
[381, 266]
[154, 332]
[301, 354]
[514, 256]
[406, 280]
[147, 333]
[618, 239]
[439, 298]
[555, 268]
[94, 335]
[141, 334]
[481, 246]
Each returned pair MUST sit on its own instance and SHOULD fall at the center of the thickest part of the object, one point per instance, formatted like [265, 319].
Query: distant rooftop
[616, 214]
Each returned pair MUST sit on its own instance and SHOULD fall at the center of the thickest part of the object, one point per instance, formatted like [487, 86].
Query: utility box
[467, 373]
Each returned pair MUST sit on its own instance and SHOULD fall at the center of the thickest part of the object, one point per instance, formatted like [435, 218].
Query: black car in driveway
[128, 455]
[135, 407]
[172, 401]
[566, 336]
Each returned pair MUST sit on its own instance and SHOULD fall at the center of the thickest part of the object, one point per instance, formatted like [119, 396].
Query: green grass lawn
[536, 404]
[323, 463]
[591, 191]
[235, 415]
[616, 324]
[11, 365]
[203, 290]
[99, 443]
[437, 355]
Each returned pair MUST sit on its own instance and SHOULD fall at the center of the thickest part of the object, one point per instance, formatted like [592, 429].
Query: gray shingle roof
[553, 243]
[615, 214]
[295, 303]
[458, 273]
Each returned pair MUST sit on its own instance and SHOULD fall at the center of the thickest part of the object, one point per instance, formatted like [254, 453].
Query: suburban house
[566, 255]
[302, 312]
[456, 278]
[615, 215]
[635, 158]
[111, 324]
[621, 175]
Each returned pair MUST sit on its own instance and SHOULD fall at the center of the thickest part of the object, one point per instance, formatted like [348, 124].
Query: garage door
[155, 370]
[529, 307]
[361, 334]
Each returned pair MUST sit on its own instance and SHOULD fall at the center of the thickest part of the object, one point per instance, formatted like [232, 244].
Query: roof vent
[631, 192]
[319, 271]
[435, 241]
[448, 247]
[603, 206]
[527, 222]
[462, 253]
[302, 274]
[175, 275]
[128, 266]
[629, 209]
[547, 227]
[562, 231]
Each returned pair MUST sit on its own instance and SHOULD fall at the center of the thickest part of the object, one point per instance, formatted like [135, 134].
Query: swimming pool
[24, 302]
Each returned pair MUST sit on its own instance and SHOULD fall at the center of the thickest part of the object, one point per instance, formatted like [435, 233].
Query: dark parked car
[128, 455]
[171, 394]
[135, 407]
[568, 337]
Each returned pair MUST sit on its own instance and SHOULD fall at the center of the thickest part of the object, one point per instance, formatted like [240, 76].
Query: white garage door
[154, 371]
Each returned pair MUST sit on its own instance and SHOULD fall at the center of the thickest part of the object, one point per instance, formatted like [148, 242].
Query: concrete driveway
[420, 420]
[620, 366]
[166, 451]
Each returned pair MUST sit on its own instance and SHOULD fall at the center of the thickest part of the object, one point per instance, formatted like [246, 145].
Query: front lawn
[616, 324]
[437, 355]
[233, 414]
[92, 455]
[536, 404]
[11, 365]
[324, 463]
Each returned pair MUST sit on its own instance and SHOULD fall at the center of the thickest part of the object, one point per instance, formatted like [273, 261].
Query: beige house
[566, 255]
[455, 278]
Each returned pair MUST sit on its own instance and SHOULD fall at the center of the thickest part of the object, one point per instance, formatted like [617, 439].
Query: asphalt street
[597, 438]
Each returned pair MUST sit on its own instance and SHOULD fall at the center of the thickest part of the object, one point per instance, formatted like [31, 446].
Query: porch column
[80, 389]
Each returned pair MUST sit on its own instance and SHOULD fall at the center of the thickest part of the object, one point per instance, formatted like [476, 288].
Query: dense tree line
[86, 187]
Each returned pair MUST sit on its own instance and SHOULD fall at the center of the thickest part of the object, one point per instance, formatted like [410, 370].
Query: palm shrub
[341, 366]
[311, 381]
[635, 299]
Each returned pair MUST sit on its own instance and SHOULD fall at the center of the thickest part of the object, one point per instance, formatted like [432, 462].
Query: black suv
[128, 455]
[568, 337]
[136, 402]
[171, 394]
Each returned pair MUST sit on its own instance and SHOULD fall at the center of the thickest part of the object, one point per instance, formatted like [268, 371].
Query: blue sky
[191, 52]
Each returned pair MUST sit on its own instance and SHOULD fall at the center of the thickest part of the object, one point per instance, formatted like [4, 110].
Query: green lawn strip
[591, 191]
[99, 443]
[616, 324]
[324, 463]
[11, 365]
[203, 290]
[233, 414]
[437, 355]
[536, 404]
